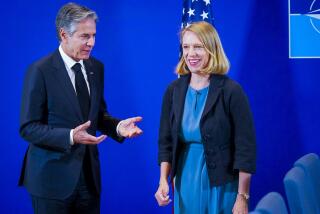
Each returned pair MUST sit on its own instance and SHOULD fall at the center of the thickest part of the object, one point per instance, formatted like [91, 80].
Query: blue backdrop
[137, 40]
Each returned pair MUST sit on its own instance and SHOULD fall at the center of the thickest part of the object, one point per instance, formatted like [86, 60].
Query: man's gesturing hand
[80, 135]
[128, 127]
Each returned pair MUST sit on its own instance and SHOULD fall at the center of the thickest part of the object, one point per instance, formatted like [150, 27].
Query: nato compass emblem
[304, 28]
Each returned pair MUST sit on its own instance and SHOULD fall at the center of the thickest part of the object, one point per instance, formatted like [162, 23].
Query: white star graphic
[183, 11]
[207, 2]
[204, 15]
[191, 12]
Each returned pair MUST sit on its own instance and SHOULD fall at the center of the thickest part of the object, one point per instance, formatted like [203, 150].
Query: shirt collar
[68, 60]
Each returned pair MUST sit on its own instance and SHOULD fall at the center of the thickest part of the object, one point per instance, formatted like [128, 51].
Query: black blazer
[226, 128]
[49, 110]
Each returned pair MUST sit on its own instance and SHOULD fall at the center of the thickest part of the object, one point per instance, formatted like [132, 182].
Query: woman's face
[194, 53]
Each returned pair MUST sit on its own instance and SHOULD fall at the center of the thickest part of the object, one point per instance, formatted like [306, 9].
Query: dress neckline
[199, 91]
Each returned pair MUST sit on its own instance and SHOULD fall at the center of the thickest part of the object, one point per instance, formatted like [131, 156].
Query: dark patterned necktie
[82, 91]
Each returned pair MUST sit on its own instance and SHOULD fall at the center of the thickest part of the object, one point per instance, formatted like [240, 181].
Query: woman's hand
[162, 194]
[240, 206]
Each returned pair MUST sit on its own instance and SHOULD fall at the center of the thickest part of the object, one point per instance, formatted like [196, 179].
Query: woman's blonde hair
[218, 62]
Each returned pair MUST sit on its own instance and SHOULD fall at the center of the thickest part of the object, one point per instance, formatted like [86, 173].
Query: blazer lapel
[215, 88]
[65, 82]
[92, 79]
[179, 95]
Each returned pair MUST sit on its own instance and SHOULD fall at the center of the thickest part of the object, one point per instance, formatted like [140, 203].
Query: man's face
[79, 45]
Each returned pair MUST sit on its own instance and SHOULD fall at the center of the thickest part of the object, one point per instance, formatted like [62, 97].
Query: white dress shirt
[69, 62]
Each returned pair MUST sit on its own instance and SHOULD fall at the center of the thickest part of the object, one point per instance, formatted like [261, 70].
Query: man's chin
[85, 56]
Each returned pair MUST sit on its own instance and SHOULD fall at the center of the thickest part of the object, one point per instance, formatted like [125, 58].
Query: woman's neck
[199, 81]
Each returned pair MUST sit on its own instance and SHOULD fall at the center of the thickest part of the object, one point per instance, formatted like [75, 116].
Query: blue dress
[192, 193]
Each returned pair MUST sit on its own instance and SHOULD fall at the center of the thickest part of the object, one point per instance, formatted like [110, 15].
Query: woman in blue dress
[206, 136]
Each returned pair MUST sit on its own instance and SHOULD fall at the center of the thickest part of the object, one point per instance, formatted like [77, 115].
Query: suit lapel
[179, 95]
[215, 88]
[63, 78]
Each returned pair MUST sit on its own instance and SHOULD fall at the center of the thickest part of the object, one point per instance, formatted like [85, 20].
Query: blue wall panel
[138, 42]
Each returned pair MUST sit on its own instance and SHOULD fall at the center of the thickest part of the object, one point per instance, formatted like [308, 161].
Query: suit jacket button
[206, 137]
[210, 152]
[224, 147]
[80, 154]
[212, 165]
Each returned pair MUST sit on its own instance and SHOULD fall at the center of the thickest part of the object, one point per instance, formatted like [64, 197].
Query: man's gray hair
[70, 15]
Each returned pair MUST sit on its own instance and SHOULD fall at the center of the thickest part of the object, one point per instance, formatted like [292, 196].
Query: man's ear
[63, 35]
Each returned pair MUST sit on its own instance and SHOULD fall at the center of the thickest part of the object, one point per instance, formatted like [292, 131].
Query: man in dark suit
[62, 108]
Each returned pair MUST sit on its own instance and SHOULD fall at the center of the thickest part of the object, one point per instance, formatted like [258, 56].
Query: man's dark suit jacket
[49, 110]
[226, 128]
